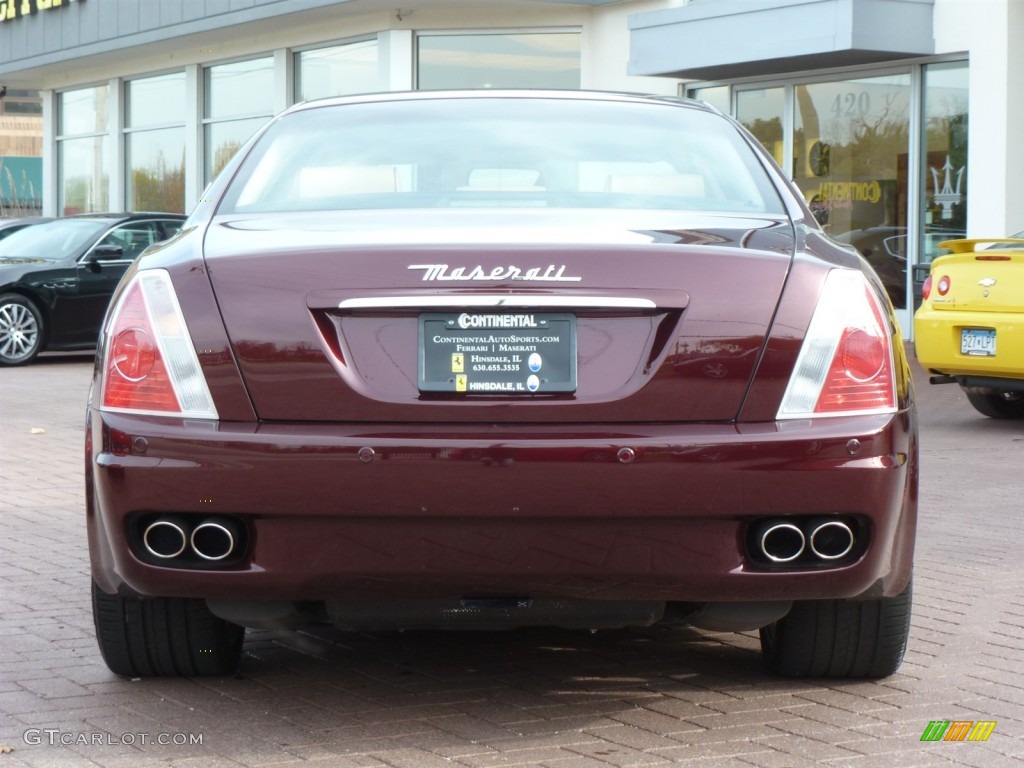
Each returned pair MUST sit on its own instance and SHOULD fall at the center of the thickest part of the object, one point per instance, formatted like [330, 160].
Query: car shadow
[57, 358]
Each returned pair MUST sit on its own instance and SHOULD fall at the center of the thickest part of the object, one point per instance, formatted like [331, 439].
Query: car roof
[500, 93]
[117, 217]
[21, 220]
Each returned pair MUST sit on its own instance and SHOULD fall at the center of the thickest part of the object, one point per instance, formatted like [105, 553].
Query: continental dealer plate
[497, 353]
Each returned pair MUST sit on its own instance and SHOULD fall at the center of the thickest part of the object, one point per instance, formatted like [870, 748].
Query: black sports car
[56, 278]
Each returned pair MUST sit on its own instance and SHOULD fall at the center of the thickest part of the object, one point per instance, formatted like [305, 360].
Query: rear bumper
[937, 342]
[409, 511]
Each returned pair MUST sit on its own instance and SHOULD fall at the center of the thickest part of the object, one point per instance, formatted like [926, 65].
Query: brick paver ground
[536, 698]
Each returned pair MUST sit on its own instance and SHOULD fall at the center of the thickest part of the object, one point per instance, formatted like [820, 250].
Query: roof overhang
[713, 40]
[52, 50]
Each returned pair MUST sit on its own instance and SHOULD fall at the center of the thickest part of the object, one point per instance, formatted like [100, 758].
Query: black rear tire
[997, 405]
[839, 638]
[164, 636]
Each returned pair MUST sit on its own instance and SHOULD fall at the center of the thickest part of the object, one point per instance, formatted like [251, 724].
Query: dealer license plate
[978, 342]
[497, 353]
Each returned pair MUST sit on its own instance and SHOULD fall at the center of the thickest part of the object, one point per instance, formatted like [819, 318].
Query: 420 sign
[13, 9]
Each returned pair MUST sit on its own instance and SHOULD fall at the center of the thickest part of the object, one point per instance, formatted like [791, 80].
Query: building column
[995, 169]
[50, 178]
[1013, 200]
[115, 147]
[284, 79]
[396, 60]
[194, 159]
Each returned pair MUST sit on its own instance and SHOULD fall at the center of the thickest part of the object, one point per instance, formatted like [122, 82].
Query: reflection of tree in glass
[768, 132]
[159, 188]
[875, 143]
[224, 152]
[81, 194]
[864, 147]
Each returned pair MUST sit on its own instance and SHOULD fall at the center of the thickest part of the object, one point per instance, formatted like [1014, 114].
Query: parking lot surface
[532, 698]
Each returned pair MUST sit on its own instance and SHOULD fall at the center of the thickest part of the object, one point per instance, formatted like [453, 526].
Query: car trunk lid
[441, 317]
[980, 281]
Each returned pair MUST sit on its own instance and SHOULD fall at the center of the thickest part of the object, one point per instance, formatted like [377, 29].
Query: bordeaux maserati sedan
[486, 360]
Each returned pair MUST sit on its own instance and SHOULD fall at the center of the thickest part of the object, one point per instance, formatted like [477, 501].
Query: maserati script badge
[550, 274]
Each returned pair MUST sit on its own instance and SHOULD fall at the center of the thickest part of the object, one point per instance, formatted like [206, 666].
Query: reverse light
[943, 285]
[150, 365]
[845, 365]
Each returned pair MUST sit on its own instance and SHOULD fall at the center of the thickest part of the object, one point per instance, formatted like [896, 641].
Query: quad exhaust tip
[211, 540]
[164, 539]
[782, 542]
[807, 540]
[832, 540]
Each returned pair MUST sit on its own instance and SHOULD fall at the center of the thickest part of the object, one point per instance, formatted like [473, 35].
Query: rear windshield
[501, 152]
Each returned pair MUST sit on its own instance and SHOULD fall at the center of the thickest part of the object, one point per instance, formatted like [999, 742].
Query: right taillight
[845, 364]
[150, 365]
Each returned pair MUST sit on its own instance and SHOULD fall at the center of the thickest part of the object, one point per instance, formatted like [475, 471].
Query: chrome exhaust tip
[782, 542]
[213, 540]
[832, 540]
[164, 539]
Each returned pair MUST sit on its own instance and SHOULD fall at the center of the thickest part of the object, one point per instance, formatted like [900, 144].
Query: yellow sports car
[970, 326]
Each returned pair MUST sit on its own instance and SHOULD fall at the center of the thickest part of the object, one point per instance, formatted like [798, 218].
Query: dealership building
[864, 103]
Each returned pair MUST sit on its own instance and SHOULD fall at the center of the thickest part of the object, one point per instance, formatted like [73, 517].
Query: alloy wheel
[19, 332]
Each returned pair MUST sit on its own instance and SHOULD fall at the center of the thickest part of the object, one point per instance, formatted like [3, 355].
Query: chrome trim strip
[497, 300]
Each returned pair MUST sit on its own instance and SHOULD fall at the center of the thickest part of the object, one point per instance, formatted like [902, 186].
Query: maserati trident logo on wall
[947, 196]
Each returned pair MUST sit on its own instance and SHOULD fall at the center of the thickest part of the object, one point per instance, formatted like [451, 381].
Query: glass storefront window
[83, 164]
[239, 99]
[717, 96]
[337, 71]
[83, 111]
[944, 161]
[761, 112]
[241, 89]
[155, 162]
[517, 60]
[155, 101]
[155, 143]
[21, 153]
[864, 177]
[851, 146]
[222, 140]
[84, 175]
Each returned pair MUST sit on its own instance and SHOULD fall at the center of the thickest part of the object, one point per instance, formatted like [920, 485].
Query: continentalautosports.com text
[54, 737]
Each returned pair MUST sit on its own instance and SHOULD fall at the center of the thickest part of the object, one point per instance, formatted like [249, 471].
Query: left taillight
[926, 289]
[846, 363]
[149, 364]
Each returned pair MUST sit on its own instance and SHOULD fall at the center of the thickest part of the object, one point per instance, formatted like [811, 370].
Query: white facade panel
[989, 31]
